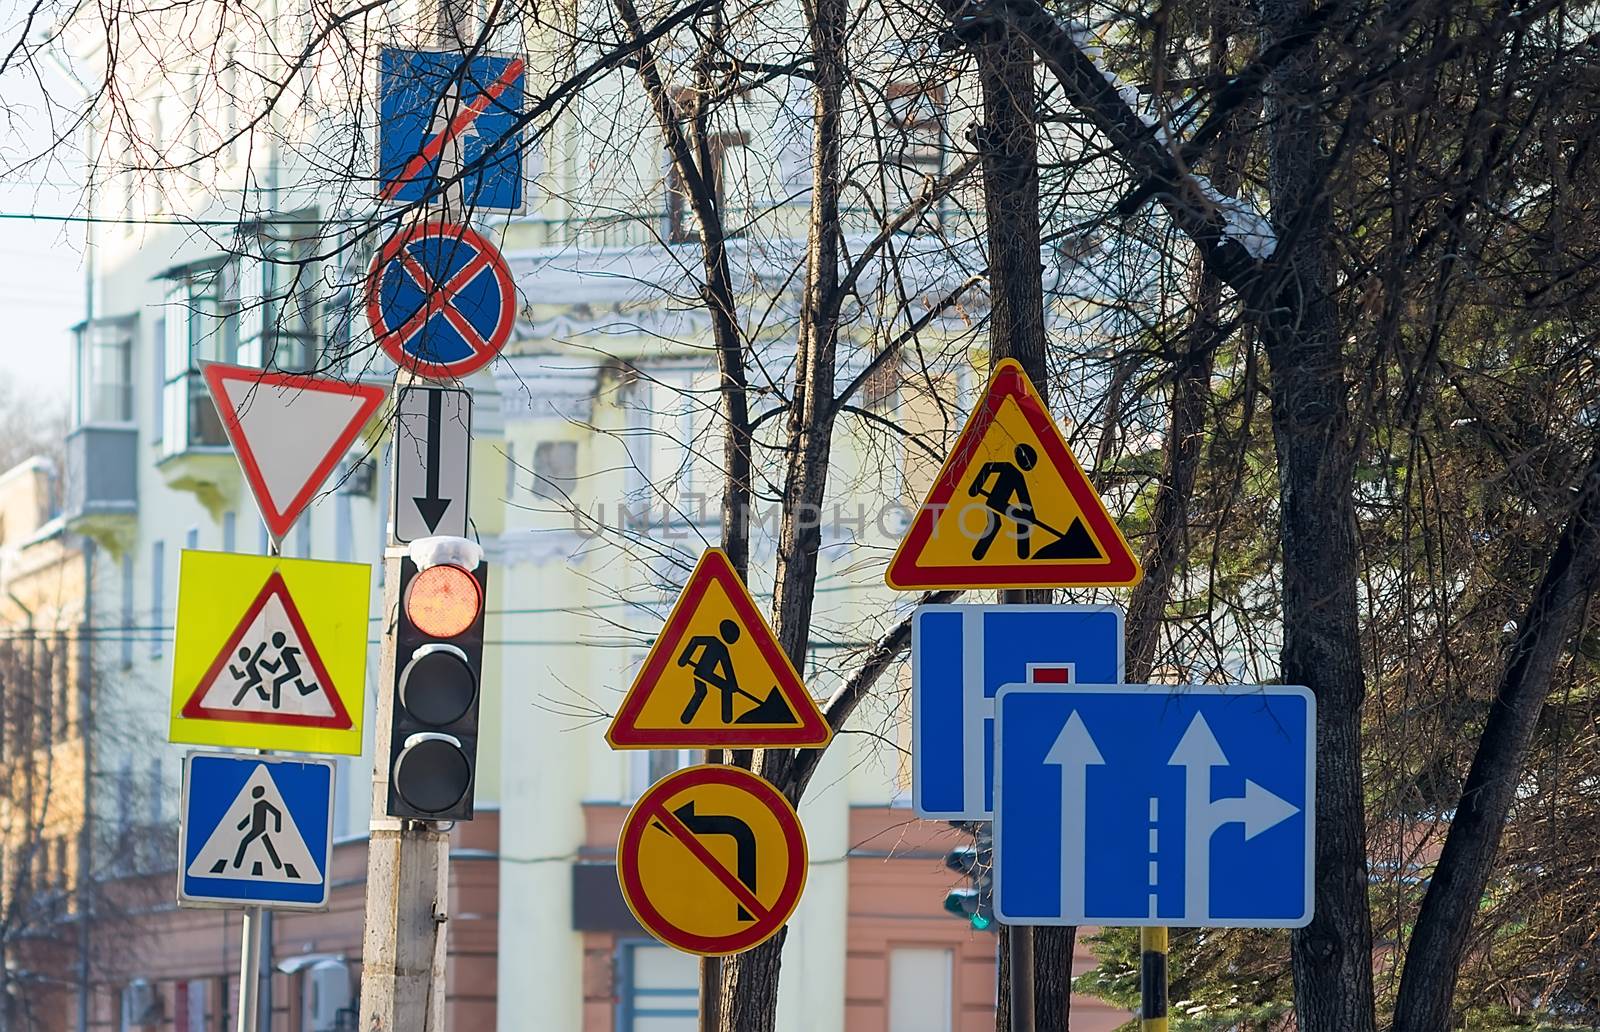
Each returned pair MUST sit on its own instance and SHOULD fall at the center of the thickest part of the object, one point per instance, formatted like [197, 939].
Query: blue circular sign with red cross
[440, 300]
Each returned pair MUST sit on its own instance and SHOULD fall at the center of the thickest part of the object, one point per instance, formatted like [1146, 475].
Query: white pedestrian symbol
[257, 839]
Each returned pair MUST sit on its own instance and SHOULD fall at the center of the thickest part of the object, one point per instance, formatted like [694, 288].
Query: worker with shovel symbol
[713, 668]
[1008, 497]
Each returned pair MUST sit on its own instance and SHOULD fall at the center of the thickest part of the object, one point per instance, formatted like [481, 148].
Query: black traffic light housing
[433, 736]
[974, 902]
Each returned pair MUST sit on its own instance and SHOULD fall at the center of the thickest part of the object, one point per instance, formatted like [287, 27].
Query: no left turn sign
[712, 860]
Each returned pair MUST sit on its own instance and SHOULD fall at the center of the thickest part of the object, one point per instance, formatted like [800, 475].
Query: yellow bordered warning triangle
[1011, 508]
[716, 678]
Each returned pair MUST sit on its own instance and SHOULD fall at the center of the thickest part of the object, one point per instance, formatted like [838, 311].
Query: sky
[41, 259]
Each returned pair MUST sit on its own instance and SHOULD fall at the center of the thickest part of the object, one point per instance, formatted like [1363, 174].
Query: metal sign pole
[250, 971]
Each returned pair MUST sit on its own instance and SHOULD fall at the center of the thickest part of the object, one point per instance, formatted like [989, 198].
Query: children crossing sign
[270, 653]
[1012, 508]
[716, 677]
[256, 831]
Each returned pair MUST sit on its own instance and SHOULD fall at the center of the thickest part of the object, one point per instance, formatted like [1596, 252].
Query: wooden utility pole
[408, 864]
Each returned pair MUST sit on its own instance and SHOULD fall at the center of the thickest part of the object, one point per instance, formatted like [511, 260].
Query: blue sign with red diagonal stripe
[440, 300]
[450, 126]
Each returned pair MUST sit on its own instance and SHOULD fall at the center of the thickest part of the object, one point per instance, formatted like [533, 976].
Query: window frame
[628, 1009]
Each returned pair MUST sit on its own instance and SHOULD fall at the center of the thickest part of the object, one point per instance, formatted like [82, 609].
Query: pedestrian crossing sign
[256, 831]
[1011, 508]
[270, 653]
[716, 678]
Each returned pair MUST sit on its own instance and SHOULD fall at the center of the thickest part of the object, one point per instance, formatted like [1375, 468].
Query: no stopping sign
[440, 300]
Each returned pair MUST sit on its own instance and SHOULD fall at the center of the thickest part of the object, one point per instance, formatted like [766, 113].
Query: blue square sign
[960, 656]
[1190, 806]
[446, 119]
[256, 831]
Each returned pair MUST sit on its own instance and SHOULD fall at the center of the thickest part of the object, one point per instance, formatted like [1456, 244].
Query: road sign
[712, 860]
[289, 432]
[1155, 805]
[1011, 508]
[440, 300]
[432, 452]
[716, 678]
[448, 121]
[256, 831]
[960, 656]
[270, 653]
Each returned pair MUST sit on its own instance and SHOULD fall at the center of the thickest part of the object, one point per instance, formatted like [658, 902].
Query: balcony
[102, 483]
[195, 456]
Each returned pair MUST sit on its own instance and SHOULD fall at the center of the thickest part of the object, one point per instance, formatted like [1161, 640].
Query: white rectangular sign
[432, 452]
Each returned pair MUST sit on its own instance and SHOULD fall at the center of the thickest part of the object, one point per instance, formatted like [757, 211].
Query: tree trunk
[1321, 638]
[750, 980]
[1433, 957]
[1008, 143]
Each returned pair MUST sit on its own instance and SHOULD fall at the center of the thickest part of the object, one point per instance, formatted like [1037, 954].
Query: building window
[158, 601]
[658, 989]
[198, 328]
[103, 391]
[555, 469]
[916, 146]
[728, 155]
[191, 538]
[278, 306]
[230, 530]
[921, 988]
[127, 609]
[645, 768]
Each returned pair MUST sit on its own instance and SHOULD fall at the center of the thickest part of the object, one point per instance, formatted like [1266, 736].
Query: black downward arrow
[744, 841]
[432, 507]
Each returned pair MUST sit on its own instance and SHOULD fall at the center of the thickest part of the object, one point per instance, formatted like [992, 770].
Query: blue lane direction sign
[960, 656]
[450, 125]
[1175, 805]
[256, 831]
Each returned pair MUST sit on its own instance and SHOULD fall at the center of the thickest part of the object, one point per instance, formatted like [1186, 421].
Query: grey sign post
[432, 453]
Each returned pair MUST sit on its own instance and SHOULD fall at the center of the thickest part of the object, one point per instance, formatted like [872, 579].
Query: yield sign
[716, 677]
[269, 671]
[289, 431]
[440, 300]
[1012, 508]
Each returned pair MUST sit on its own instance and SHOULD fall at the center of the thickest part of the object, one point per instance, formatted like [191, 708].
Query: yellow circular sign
[712, 860]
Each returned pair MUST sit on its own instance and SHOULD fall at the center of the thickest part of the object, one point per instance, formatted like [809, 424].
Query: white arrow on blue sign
[1190, 806]
[960, 656]
[256, 831]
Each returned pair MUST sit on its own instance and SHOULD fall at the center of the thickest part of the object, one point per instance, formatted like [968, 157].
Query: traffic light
[433, 737]
[973, 903]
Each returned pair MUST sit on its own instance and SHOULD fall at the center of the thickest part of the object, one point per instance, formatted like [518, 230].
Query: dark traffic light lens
[443, 601]
[432, 775]
[437, 687]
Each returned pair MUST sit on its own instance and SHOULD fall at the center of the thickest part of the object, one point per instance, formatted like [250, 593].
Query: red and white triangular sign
[269, 671]
[1012, 508]
[289, 431]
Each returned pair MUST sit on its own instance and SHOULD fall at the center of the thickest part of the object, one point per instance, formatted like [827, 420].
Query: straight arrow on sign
[433, 445]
